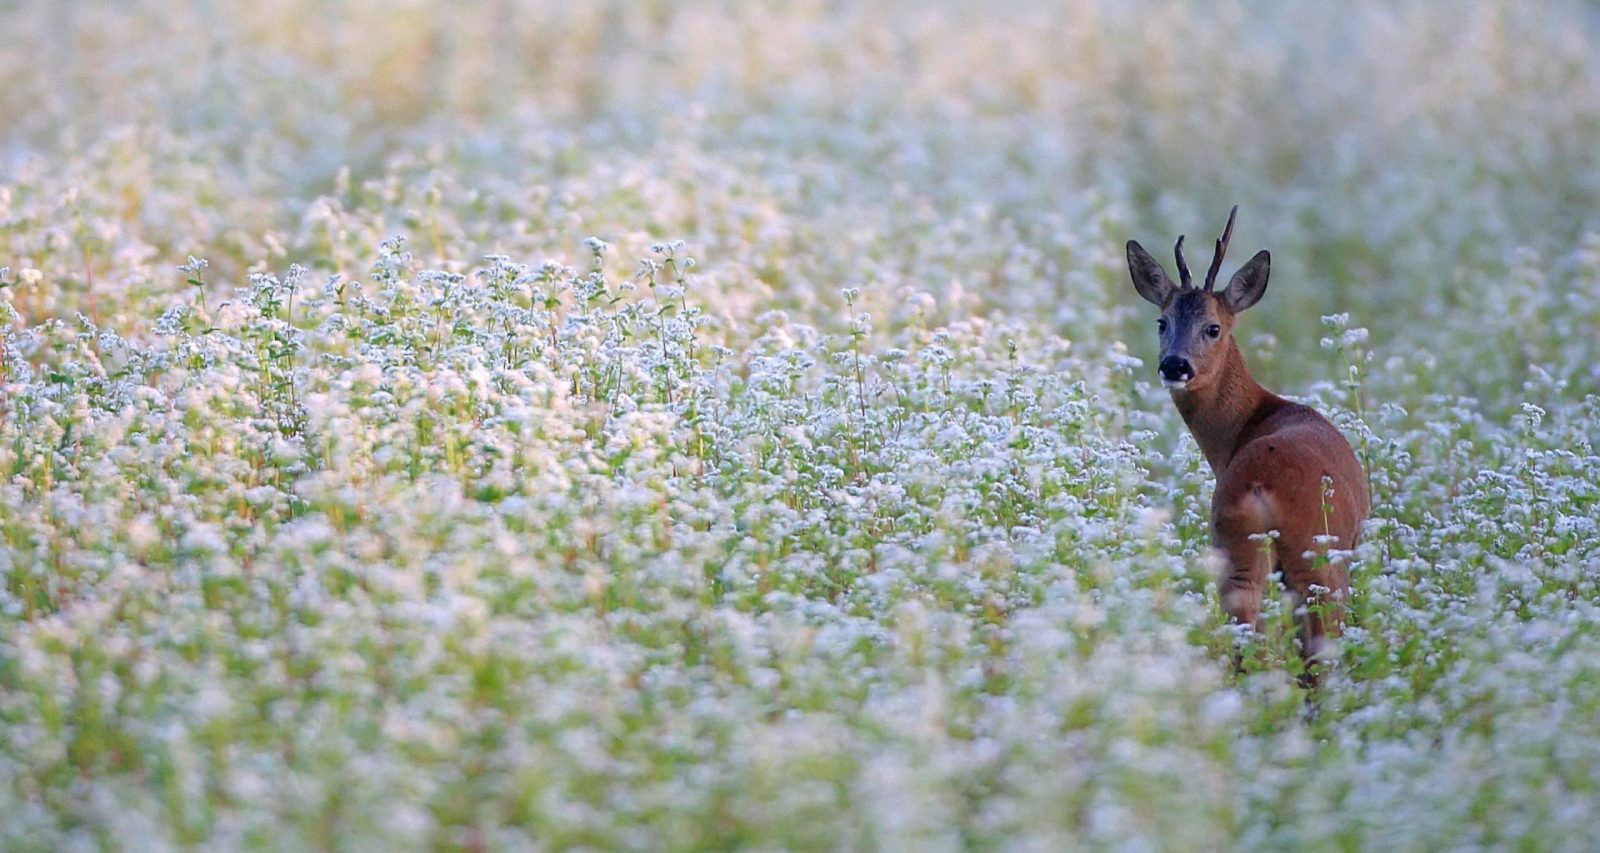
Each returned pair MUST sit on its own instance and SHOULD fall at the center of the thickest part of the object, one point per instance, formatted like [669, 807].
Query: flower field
[646, 425]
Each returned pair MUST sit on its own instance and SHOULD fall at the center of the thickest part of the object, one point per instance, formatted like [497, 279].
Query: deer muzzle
[1175, 371]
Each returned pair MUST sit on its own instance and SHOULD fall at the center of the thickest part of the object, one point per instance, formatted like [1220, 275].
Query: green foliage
[356, 494]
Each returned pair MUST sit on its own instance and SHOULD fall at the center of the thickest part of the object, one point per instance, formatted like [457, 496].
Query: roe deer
[1280, 466]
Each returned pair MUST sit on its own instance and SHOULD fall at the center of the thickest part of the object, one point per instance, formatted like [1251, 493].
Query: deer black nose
[1175, 369]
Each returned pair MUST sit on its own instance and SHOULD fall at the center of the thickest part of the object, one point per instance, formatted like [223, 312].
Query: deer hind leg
[1238, 530]
[1320, 593]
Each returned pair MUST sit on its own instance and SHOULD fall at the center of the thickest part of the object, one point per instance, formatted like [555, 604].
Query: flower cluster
[683, 426]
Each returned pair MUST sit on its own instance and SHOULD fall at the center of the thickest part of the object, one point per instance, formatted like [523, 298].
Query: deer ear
[1148, 277]
[1249, 284]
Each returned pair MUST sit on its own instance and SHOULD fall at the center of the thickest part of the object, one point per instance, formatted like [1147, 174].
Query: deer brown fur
[1280, 466]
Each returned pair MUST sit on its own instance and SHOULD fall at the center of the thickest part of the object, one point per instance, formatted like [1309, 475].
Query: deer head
[1196, 321]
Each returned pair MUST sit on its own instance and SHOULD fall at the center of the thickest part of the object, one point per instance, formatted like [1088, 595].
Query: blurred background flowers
[704, 425]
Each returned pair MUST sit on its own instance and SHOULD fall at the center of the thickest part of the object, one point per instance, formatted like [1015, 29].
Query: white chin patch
[1176, 385]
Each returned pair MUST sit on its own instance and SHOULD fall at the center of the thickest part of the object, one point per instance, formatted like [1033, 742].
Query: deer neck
[1218, 412]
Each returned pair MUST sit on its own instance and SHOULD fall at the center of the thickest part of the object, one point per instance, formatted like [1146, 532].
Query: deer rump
[1292, 492]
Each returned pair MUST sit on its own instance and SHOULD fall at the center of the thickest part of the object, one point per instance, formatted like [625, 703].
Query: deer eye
[1161, 325]
[1213, 331]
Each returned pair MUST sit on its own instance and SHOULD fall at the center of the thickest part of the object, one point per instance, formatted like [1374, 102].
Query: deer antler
[1183, 266]
[1222, 249]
